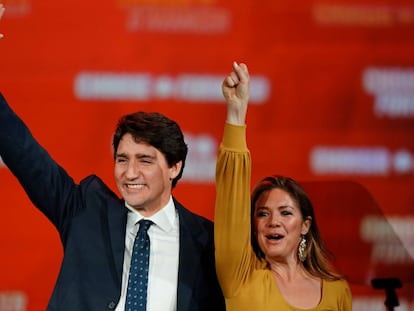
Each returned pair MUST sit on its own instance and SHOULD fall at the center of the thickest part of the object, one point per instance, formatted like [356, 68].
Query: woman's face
[279, 225]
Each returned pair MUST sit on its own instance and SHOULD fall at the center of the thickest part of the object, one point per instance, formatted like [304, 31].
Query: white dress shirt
[163, 263]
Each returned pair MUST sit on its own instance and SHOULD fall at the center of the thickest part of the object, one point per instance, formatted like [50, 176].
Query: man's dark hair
[156, 130]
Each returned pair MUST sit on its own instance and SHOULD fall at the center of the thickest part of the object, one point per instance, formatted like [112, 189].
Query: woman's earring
[302, 248]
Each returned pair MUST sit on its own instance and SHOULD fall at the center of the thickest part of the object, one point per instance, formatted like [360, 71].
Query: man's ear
[175, 169]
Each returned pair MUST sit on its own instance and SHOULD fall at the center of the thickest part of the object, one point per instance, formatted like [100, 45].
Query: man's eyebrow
[144, 155]
[120, 155]
[137, 156]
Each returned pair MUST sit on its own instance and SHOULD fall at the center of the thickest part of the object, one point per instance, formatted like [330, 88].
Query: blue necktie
[136, 299]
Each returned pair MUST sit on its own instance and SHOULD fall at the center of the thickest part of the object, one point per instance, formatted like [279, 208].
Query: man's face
[142, 175]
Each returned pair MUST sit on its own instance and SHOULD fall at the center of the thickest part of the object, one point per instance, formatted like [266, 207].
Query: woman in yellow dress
[269, 253]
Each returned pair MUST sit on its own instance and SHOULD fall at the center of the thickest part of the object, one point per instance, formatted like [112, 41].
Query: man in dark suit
[97, 228]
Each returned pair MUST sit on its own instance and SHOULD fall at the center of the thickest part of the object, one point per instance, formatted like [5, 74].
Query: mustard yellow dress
[247, 283]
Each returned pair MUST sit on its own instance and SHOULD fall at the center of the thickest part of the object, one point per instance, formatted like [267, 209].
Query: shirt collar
[165, 218]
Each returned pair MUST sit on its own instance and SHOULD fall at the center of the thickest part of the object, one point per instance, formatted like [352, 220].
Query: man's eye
[120, 160]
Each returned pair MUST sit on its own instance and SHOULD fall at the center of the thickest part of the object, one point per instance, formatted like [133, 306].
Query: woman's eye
[262, 214]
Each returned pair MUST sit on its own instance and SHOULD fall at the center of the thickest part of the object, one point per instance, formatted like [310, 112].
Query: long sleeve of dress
[234, 254]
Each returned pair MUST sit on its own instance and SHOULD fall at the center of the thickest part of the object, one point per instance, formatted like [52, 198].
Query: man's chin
[134, 204]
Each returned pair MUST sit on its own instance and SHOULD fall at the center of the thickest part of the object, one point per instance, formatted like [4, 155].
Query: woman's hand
[236, 92]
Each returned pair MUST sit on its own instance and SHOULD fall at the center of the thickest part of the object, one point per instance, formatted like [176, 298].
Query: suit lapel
[189, 263]
[191, 236]
[117, 219]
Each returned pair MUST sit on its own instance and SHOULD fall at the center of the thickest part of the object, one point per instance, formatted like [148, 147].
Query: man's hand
[1, 14]
[236, 92]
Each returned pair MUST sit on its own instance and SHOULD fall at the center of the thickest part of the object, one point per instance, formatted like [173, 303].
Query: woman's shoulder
[336, 285]
[337, 293]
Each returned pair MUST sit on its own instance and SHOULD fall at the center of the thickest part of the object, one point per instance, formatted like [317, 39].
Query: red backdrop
[332, 106]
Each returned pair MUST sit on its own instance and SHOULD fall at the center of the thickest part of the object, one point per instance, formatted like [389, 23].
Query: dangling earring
[302, 248]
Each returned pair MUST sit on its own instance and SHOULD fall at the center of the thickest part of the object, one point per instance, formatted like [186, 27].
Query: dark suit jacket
[91, 221]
